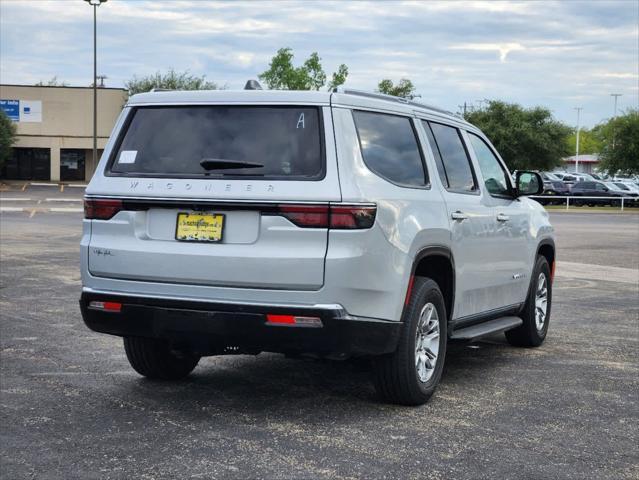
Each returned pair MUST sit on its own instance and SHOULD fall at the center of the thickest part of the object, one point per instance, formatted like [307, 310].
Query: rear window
[222, 141]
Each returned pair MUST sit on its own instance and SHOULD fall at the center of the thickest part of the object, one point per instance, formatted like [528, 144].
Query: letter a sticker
[300, 121]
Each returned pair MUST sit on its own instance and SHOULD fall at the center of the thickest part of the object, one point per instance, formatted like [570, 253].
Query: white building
[587, 163]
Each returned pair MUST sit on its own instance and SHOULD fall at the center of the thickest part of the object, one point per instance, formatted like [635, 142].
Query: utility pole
[579, 109]
[614, 116]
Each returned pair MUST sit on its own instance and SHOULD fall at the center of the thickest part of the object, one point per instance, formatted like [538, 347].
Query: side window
[454, 159]
[600, 187]
[492, 171]
[389, 148]
[438, 158]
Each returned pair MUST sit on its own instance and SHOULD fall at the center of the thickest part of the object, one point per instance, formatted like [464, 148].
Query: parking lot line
[11, 209]
[63, 199]
[14, 199]
[597, 272]
[66, 209]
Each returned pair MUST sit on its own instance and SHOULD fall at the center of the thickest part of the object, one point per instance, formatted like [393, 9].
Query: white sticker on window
[300, 121]
[127, 156]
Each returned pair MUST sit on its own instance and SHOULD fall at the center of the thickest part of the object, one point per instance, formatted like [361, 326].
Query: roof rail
[158, 89]
[392, 98]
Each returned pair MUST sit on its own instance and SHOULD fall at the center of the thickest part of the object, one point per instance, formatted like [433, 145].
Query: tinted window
[438, 158]
[454, 158]
[173, 141]
[389, 147]
[492, 171]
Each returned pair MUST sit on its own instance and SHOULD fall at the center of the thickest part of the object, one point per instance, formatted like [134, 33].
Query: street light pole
[614, 116]
[95, 4]
[579, 109]
[616, 95]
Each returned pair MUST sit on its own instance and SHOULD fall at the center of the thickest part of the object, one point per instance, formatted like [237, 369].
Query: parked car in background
[632, 180]
[595, 189]
[629, 190]
[553, 188]
[549, 176]
[567, 178]
[630, 186]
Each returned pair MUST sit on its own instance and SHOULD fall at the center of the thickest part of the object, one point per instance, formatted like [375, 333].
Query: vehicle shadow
[249, 384]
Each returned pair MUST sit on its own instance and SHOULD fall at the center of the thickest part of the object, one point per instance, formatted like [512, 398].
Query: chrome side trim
[318, 306]
[224, 201]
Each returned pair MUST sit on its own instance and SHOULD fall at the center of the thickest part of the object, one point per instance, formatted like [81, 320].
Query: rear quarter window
[173, 141]
[390, 149]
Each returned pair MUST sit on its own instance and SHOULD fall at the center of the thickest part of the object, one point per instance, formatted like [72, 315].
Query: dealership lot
[71, 407]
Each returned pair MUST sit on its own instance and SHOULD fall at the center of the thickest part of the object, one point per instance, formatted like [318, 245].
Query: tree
[404, 89]
[282, 75]
[589, 141]
[620, 152]
[7, 137]
[526, 138]
[53, 82]
[170, 80]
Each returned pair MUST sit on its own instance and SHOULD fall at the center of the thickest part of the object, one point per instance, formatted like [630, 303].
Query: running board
[486, 328]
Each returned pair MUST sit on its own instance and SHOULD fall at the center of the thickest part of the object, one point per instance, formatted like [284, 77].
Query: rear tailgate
[258, 229]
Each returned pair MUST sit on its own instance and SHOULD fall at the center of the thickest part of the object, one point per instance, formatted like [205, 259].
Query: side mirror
[528, 183]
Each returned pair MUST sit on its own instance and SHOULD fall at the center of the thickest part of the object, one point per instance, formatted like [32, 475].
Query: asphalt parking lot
[71, 407]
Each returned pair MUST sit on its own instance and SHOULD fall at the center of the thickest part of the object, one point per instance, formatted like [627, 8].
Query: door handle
[458, 216]
[502, 217]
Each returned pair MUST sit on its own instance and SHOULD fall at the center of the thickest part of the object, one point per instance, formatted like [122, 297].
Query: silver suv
[330, 224]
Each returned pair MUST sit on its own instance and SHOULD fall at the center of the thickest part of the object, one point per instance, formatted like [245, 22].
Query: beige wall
[67, 119]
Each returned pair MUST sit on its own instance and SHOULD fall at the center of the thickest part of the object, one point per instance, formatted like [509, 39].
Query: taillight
[352, 216]
[101, 209]
[309, 216]
[341, 217]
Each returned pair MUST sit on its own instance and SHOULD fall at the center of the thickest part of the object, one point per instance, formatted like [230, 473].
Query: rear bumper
[215, 328]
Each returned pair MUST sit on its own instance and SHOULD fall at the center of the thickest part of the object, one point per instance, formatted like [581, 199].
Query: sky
[556, 54]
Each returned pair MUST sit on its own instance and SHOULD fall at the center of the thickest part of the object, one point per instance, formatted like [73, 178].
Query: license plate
[199, 227]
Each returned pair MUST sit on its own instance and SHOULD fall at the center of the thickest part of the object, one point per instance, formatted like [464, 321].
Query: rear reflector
[293, 320]
[340, 217]
[106, 306]
[101, 209]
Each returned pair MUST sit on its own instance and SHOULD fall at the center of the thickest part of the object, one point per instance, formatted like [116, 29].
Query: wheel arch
[436, 263]
[546, 248]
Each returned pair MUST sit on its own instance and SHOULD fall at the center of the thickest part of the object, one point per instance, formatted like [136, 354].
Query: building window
[28, 164]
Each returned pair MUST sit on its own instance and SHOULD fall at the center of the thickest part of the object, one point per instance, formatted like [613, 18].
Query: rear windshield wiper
[223, 164]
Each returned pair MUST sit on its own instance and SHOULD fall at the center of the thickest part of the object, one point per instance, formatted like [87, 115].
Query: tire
[398, 378]
[532, 333]
[154, 359]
